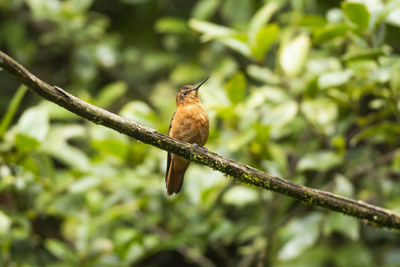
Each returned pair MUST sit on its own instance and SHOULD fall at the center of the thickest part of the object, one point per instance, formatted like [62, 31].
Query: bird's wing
[169, 154]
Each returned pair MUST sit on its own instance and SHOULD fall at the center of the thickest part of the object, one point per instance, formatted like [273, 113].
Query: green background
[304, 89]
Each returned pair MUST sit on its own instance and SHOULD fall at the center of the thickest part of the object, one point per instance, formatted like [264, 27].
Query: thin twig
[371, 214]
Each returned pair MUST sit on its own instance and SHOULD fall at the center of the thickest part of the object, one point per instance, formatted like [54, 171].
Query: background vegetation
[303, 89]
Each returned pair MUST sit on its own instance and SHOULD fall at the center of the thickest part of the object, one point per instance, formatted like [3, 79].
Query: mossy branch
[371, 214]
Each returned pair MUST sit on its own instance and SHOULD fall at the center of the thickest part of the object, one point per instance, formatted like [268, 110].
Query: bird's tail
[174, 179]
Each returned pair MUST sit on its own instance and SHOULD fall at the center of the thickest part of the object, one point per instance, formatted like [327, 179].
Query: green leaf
[5, 223]
[210, 30]
[264, 38]
[79, 6]
[59, 249]
[101, 246]
[278, 156]
[391, 256]
[240, 196]
[339, 96]
[262, 16]
[301, 234]
[294, 54]
[109, 142]
[334, 79]
[105, 54]
[382, 74]
[204, 9]
[330, 32]
[236, 88]
[346, 225]
[313, 21]
[171, 25]
[280, 114]
[34, 123]
[72, 156]
[238, 44]
[113, 147]
[186, 73]
[134, 252]
[44, 9]
[239, 141]
[357, 14]
[346, 254]
[262, 74]
[395, 81]
[124, 235]
[396, 162]
[319, 161]
[385, 132]
[139, 112]
[57, 146]
[12, 108]
[343, 186]
[25, 143]
[236, 12]
[393, 17]
[110, 93]
[365, 54]
[322, 113]
[226, 113]
[57, 112]
[227, 36]
[222, 231]
[84, 184]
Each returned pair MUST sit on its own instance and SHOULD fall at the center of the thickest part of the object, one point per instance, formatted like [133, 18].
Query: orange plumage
[189, 124]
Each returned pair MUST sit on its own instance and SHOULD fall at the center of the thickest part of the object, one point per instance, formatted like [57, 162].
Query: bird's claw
[201, 147]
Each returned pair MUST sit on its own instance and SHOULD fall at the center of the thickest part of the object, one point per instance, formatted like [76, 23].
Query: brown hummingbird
[189, 124]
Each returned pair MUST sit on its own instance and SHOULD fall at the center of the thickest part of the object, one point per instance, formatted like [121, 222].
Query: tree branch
[371, 214]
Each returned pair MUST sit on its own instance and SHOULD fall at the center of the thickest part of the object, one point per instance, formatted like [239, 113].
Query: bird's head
[189, 94]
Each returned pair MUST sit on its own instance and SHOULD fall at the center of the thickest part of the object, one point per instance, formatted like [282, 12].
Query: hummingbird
[189, 124]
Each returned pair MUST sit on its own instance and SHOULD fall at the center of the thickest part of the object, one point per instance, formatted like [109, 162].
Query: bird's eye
[185, 93]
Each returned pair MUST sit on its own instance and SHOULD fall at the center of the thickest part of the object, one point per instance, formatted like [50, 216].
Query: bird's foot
[201, 147]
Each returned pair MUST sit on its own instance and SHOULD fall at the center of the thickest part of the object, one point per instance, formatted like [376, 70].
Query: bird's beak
[203, 81]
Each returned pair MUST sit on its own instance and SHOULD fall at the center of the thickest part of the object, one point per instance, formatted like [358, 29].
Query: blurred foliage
[303, 89]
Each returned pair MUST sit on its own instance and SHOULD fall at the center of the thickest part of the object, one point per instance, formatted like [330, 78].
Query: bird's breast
[190, 124]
